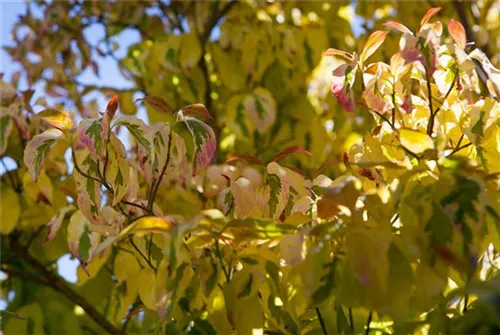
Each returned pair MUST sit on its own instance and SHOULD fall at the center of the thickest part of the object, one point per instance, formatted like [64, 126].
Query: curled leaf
[56, 221]
[157, 103]
[198, 111]
[343, 54]
[398, 26]
[430, 13]
[204, 144]
[38, 149]
[149, 224]
[289, 151]
[248, 158]
[341, 87]
[56, 119]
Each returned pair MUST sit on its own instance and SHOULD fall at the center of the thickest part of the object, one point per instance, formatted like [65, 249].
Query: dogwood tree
[292, 176]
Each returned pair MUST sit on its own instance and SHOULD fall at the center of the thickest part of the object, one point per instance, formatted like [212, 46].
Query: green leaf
[81, 240]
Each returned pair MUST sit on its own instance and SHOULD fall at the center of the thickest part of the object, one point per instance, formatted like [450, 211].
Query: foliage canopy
[304, 168]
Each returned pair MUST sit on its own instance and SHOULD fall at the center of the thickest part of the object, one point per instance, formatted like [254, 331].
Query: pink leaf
[339, 90]
[198, 111]
[398, 26]
[430, 13]
[457, 32]
[288, 151]
[248, 158]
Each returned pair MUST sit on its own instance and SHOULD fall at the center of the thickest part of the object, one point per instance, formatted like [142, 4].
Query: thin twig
[218, 253]
[448, 92]
[321, 321]
[133, 204]
[367, 331]
[140, 253]
[459, 148]
[155, 186]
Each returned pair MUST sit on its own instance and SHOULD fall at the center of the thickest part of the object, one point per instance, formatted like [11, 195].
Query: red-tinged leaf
[198, 111]
[457, 32]
[374, 42]
[398, 26]
[112, 107]
[430, 13]
[157, 103]
[245, 157]
[339, 53]
[368, 173]
[340, 88]
[288, 151]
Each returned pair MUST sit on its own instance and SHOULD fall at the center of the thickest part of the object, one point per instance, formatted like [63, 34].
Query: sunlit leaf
[149, 224]
[398, 26]
[457, 32]
[372, 44]
[415, 141]
[429, 14]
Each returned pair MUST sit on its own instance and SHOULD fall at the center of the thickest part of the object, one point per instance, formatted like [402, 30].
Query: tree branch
[60, 286]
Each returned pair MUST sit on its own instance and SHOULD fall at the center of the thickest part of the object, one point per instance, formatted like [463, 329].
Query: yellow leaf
[415, 141]
[149, 224]
[56, 119]
[190, 51]
[10, 210]
[39, 191]
[374, 42]
[93, 268]
[126, 266]
[147, 285]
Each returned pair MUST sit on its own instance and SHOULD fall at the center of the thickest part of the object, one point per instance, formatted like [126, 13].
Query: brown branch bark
[59, 285]
[462, 14]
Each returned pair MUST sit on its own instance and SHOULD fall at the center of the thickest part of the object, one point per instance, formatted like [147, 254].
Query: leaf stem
[321, 321]
[219, 256]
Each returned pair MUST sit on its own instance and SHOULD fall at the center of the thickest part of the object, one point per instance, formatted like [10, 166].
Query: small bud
[112, 106]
